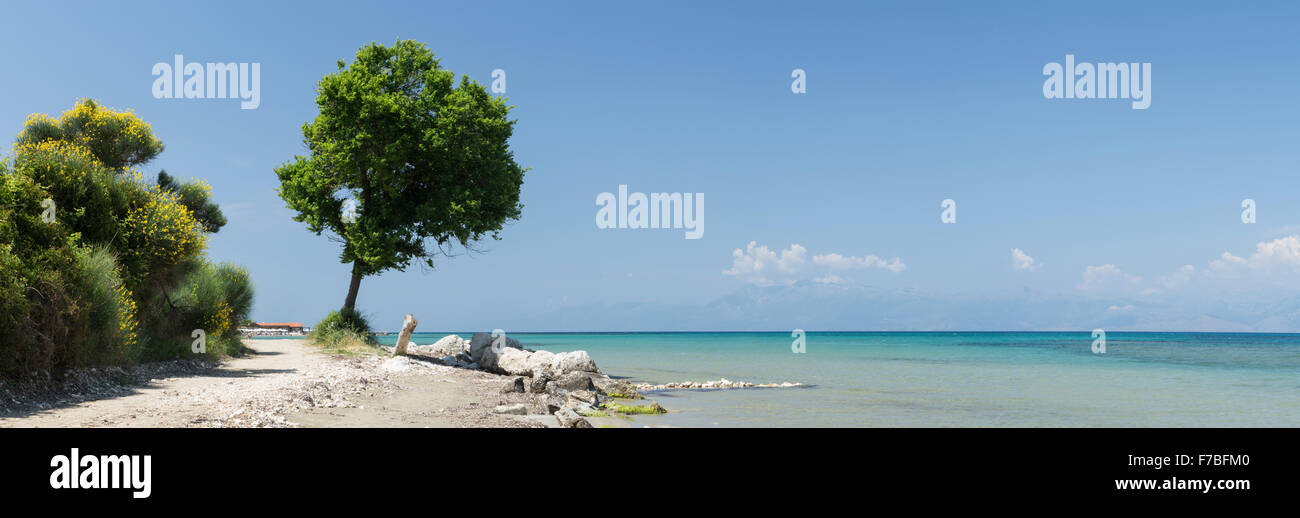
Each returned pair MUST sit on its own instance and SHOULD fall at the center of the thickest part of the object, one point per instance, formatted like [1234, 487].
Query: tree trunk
[351, 301]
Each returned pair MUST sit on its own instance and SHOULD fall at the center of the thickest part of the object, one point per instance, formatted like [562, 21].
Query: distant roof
[279, 324]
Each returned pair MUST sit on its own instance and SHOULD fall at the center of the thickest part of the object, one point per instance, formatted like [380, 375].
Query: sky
[822, 208]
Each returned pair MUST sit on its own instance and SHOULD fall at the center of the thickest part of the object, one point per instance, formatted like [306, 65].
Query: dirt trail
[188, 399]
[289, 383]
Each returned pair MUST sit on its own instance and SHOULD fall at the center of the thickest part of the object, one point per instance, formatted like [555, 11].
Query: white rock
[573, 361]
[508, 360]
[484, 341]
[539, 362]
[449, 345]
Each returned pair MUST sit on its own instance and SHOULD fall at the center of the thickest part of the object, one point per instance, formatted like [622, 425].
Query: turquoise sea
[931, 379]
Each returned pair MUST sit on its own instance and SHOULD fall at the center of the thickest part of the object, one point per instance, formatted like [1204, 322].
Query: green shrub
[37, 305]
[119, 275]
[117, 139]
[195, 196]
[212, 298]
[346, 328]
[106, 330]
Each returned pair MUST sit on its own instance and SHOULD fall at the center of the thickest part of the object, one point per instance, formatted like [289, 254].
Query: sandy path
[188, 399]
[289, 383]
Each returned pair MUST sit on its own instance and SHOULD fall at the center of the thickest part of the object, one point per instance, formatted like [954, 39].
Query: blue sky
[905, 106]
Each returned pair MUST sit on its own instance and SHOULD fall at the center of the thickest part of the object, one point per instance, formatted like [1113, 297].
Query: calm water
[956, 379]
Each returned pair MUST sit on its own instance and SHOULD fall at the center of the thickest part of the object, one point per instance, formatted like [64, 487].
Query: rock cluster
[569, 385]
[505, 355]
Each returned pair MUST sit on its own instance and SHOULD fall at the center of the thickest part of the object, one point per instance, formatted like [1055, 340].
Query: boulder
[506, 361]
[404, 338]
[516, 362]
[514, 385]
[570, 419]
[484, 341]
[615, 388]
[540, 361]
[554, 404]
[537, 384]
[573, 361]
[571, 382]
[450, 345]
[582, 398]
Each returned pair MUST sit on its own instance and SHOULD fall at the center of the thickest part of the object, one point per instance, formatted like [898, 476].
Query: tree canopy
[426, 159]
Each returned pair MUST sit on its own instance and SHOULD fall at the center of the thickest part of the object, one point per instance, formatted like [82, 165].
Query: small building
[287, 327]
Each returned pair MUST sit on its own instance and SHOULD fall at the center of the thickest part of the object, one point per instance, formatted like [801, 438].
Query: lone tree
[424, 159]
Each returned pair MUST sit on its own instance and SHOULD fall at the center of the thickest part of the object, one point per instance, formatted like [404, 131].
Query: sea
[953, 379]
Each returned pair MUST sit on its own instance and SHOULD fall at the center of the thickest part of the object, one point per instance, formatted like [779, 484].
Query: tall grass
[344, 331]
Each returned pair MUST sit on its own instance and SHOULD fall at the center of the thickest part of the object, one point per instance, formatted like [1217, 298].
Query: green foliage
[653, 408]
[150, 229]
[195, 196]
[107, 331]
[118, 274]
[426, 158]
[118, 140]
[91, 199]
[345, 328]
[156, 236]
[38, 313]
[212, 298]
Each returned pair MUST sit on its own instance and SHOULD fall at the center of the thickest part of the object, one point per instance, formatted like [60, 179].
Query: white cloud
[1279, 255]
[1021, 261]
[829, 278]
[840, 262]
[1283, 253]
[1108, 277]
[1271, 263]
[1227, 261]
[758, 264]
[1179, 278]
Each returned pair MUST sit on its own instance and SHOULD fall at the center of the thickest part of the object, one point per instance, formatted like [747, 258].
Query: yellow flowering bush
[120, 273]
[117, 139]
[160, 232]
[128, 335]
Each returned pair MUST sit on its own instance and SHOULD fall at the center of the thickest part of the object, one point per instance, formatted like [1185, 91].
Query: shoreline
[283, 383]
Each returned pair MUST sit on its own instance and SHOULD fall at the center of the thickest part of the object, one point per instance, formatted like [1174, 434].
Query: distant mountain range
[814, 306]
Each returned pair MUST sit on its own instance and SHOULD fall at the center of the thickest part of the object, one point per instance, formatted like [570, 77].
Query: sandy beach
[283, 383]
